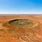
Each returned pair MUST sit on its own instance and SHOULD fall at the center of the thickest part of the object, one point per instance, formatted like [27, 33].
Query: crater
[21, 23]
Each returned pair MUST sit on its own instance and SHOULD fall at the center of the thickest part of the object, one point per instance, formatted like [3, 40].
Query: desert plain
[33, 34]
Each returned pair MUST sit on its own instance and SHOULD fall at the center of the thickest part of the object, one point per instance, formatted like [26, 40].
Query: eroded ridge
[20, 23]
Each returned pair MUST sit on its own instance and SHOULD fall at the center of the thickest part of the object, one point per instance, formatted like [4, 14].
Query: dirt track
[35, 35]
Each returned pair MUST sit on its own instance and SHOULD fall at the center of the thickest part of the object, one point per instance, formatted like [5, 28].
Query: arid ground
[13, 33]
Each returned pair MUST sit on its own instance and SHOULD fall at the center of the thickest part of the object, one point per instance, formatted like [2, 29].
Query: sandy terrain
[32, 35]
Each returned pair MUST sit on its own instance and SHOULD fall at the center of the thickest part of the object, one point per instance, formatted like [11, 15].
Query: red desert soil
[25, 35]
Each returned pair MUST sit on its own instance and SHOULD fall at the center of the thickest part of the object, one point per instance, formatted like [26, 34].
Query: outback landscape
[21, 28]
